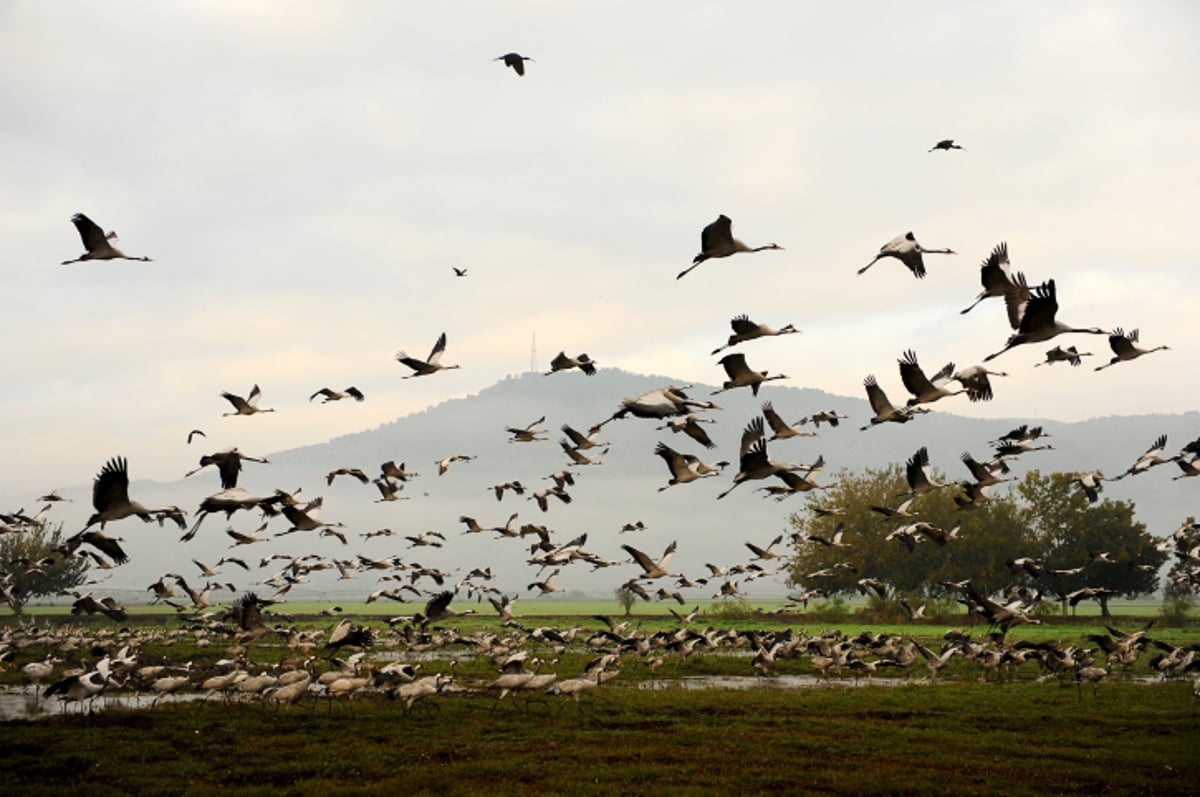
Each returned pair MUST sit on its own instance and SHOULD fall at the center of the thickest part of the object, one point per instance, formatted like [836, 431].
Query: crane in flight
[98, 244]
[716, 240]
[431, 365]
[906, 249]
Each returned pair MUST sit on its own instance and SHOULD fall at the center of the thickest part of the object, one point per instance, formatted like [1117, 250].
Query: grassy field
[969, 738]
[968, 732]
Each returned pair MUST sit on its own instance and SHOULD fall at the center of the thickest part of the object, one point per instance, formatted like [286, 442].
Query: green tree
[30, 567]
[1098, 546]
[985, 538]
[1183, 579]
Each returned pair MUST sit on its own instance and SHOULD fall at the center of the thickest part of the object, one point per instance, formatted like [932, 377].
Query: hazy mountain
[623, 489]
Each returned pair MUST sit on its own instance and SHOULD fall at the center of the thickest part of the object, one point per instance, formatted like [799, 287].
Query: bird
[716, 240]
[753, 460]
[690, 425]
[659, 403]
[547, 586]
[995, 275]
[389, 490]
[229, 465]
[515, 486]
[110, 495]
[562, 362]
[906, 249]
[1059, 355]
[428, 366]
[650, 568]
[244, 406]
[1090, 483]
[781, 429]
[744, 329]
[390, 470]
[918, 473]
[1031, 312]
[543, 496]
[347, 633]
[740, 374]
[946, 144]
[529, 433]
[459, 272]
[445, 462]
[1190, 467]
[975, 380]
[884, 410]
[684, 467]
[580, 441]
[356, 473]
[514, 60]
[97, 243]
[766, 553]
[830, 417]
[1148, 460]
[82, 686]
[1124, 347]
[333, 395]
[438, 609]
[925, 390]
[194, 434]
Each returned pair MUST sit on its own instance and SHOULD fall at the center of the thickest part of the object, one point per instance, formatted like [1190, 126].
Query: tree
[1102, 549]
[1183, 579]
[31, 567]
[985, 538]
[1043, 524]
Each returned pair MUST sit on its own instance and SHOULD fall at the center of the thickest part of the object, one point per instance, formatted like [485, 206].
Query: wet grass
[1013, 738]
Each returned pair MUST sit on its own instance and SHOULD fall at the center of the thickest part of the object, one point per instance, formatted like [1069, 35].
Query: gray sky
[305, 175]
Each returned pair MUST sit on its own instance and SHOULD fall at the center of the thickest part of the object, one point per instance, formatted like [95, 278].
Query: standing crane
[716, 240]
[98, 244]
[906, 249]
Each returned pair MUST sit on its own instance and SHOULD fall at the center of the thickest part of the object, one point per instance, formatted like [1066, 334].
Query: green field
[968, 738]
[701, 722]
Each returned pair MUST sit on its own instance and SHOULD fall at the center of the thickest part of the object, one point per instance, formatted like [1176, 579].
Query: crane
[229, 465]
[946, 144]
[98, 244]
[244, 406]
[740, 374]
[517, 62]
[1060, 355]
[1031, 312]
[334, 395]
[744, 329]
[562, 362]
[1124, 347]
[684, 467]
[431, 365]
[995, 274]
[925, 390]
[885, 411]
[906, 249]
[716, 240]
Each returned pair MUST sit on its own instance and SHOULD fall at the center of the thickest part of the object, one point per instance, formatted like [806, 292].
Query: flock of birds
[1032, 316]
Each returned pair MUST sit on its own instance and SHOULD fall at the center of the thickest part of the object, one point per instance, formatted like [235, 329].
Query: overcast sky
[305, 175]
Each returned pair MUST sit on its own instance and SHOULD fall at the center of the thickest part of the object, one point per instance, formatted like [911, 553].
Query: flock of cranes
[1032, 315]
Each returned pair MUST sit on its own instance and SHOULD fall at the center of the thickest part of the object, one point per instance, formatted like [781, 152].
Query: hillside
[623, 489]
